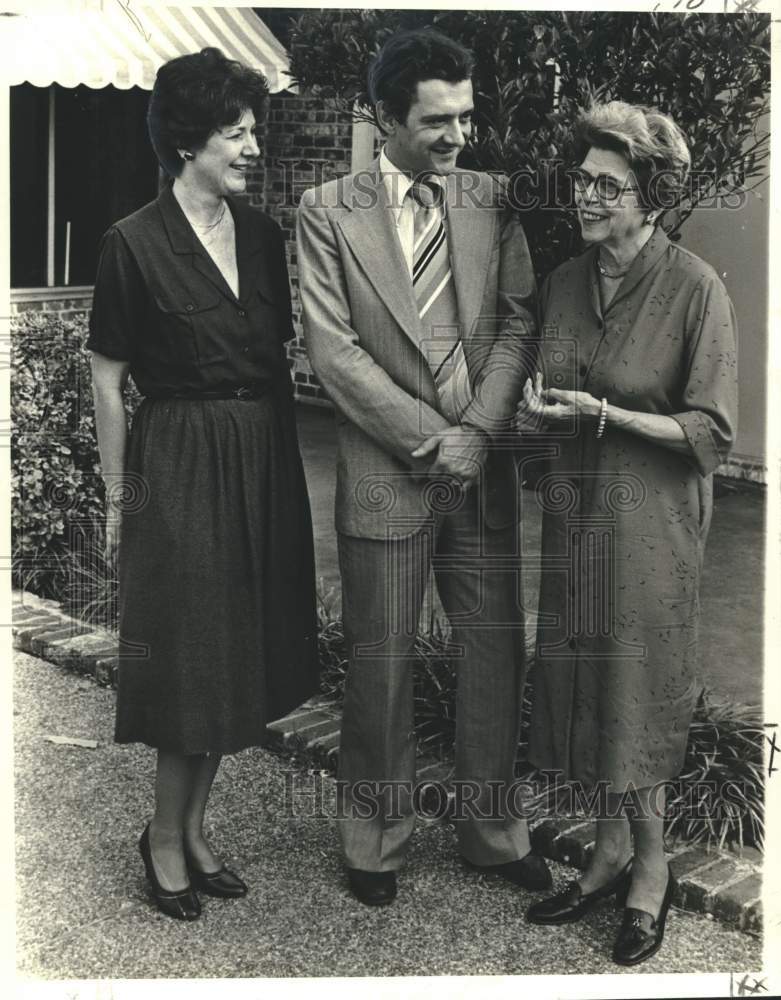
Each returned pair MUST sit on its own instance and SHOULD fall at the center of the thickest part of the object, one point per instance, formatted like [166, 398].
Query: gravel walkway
[84, 913]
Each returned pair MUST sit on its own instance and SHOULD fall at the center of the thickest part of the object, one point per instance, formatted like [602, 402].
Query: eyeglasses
[608, 188]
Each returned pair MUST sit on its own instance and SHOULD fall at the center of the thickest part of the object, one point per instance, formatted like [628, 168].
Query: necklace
[211, 225]
[606, 274]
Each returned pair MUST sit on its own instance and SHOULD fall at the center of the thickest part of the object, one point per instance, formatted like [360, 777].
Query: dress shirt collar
[397, 185]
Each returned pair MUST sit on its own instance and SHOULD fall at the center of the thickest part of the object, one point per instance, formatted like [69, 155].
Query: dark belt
[253, 391]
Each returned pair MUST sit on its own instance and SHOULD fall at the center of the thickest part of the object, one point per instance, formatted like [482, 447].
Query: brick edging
[40, 627]
[724, 885]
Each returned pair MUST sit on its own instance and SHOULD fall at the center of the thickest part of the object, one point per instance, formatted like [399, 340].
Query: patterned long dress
[625, 520]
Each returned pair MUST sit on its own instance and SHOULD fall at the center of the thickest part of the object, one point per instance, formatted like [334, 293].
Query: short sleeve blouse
[161, 304]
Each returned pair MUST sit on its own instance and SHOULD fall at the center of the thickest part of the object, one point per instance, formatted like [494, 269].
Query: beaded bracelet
[602, 418]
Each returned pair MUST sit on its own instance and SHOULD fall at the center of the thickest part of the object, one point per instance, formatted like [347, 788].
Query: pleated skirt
[218, 622]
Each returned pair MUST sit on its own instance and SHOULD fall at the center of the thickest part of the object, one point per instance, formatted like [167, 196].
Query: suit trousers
[477, 572]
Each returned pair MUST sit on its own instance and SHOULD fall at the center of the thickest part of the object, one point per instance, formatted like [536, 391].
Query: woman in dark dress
[638, 355]
[216, 569]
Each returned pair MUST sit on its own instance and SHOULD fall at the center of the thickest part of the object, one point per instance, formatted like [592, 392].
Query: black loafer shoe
[181, 905]
[640, 935]
[529, 872]
[572, 903]
[224, 883]
[372, 888]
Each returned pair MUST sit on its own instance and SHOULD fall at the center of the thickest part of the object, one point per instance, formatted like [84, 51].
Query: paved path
[83, 911]
[731, 594]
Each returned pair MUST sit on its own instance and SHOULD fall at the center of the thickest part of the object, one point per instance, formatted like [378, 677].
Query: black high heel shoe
[181, 905]
[572, 903]
[640, 935]
[223, 883]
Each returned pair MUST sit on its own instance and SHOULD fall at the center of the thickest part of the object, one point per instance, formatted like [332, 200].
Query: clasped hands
[541, 406]
[460, 453]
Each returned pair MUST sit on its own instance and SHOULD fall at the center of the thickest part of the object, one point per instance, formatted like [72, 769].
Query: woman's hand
[566, 404]
[529, 413]
[552, 406]
[113, 532]
[109, 378]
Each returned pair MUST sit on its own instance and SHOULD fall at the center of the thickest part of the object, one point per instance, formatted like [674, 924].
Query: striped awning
[124, 44]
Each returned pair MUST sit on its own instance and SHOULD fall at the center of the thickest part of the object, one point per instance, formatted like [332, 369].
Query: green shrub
[57, 493]
[709, 71]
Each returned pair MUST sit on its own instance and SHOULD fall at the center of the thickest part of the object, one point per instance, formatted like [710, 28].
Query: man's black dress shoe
[640, 935]
[181, 905]
[529, 872]
[372, 888]
[223, 883]
[572, 903]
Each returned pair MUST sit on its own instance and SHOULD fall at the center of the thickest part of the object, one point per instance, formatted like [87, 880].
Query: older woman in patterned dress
[639, 394]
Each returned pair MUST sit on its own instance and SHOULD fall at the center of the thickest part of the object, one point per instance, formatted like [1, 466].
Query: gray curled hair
[651, 142]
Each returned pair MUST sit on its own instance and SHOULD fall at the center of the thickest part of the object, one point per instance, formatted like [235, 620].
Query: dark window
[29, 153]
[104, 169]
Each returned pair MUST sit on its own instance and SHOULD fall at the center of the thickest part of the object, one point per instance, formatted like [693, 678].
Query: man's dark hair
[410, 57]
[195, 94]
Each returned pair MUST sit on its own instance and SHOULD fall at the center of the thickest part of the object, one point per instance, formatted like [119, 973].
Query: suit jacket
[362, 331]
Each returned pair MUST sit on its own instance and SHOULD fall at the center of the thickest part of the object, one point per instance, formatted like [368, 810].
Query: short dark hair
[195, 94]
[410, 57]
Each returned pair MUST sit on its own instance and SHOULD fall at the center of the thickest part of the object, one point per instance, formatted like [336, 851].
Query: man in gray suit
[418, 296]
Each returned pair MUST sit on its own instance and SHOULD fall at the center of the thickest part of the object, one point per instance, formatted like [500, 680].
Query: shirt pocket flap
[186, 304]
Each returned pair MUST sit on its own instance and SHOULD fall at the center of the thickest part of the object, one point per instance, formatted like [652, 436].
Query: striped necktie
[435, 295]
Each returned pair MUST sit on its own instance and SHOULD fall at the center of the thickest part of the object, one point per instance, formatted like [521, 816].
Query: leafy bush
[534, 69]
[57, 493]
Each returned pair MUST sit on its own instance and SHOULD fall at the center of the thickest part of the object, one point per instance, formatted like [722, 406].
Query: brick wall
[307, 142]
[67, 303]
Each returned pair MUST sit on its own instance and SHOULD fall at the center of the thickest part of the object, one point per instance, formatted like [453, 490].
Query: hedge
[57, 492]
[535, 69]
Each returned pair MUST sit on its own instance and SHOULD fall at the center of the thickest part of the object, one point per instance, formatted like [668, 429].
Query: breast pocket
[190, 329]
[272, 286]
[272, 312]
